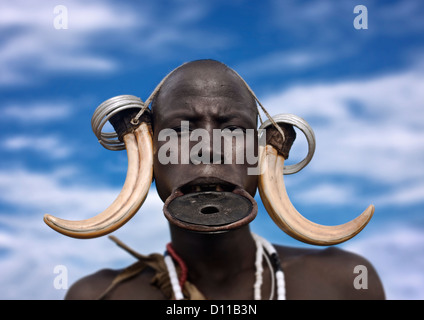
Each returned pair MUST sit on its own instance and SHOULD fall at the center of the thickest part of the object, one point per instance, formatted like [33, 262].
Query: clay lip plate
[210, 205]
[210, 208]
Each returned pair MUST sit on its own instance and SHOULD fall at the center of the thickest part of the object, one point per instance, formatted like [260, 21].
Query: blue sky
[361, 91]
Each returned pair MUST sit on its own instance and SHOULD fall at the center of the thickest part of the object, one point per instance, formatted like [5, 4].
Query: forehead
[204, 91]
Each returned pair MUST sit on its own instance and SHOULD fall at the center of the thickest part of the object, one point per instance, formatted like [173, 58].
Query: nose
[211, 155]
[206, 146]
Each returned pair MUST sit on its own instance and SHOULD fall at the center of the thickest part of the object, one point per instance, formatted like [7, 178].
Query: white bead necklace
[174, 278]
[273, 262]
[276, 265]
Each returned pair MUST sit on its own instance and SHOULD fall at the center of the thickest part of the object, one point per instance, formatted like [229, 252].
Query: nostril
[209, 210]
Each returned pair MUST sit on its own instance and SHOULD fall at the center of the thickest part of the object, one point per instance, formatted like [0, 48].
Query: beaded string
[181, 263]
[178, 294]
[271, 295]
[259, 270]
[275, 260]
[262, 245]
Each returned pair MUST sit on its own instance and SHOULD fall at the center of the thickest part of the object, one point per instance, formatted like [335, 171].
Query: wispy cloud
[367, 128]
[403, 195]
[35, 112]
[285, 61]
[304, 19]
[25, 189]
[29, 250]
[32, 48]
[328, 21]
[397, 252]
[50, 146]
[319, 194]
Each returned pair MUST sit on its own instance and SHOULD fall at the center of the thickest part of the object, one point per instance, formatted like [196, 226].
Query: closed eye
[234, 128]
[179, 129]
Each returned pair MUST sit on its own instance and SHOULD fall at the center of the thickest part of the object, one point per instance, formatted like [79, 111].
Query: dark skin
[222, 266]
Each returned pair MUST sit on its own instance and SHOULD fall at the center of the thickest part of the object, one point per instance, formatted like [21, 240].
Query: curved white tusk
[276, 201]
[134, 191]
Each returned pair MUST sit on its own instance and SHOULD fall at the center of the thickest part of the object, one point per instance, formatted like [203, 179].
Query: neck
[215, 258]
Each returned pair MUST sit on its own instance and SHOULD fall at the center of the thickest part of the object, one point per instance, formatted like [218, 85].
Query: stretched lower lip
[210, 211]
[205, 188]
[207, 184]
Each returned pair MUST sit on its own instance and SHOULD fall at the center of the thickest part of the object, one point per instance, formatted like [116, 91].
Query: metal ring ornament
[105, 111]
[307, 131]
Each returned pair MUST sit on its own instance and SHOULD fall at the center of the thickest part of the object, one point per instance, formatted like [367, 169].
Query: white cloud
[286, 61]
[50, 146]
[36, 112]
[35, 49]
[29, 249]
[320, 194]
[50, 193]
[369, 129]
[327, 20]
[402, 195]
[36, 46]
[397, 253]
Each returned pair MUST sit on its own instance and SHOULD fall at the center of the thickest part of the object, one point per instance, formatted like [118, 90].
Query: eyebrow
[227, 116]
[181, 108]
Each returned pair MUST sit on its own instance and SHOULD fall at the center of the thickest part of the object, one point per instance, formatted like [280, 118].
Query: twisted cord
[135, 120]
[259, 270]
[281, 285]
[181, 263]
[178, 294]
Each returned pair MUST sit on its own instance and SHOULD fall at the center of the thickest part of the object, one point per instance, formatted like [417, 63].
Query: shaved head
[207, 78]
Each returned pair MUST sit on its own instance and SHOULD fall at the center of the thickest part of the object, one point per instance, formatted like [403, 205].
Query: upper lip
[206, 184]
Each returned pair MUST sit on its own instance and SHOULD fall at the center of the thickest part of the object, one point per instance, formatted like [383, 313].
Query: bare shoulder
[330, 273]
[91, 286]
[94, 286]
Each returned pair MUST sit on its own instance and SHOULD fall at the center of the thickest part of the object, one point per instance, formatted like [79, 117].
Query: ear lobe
[278, 205]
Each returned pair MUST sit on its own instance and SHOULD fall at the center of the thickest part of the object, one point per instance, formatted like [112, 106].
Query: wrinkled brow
[242, 112]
